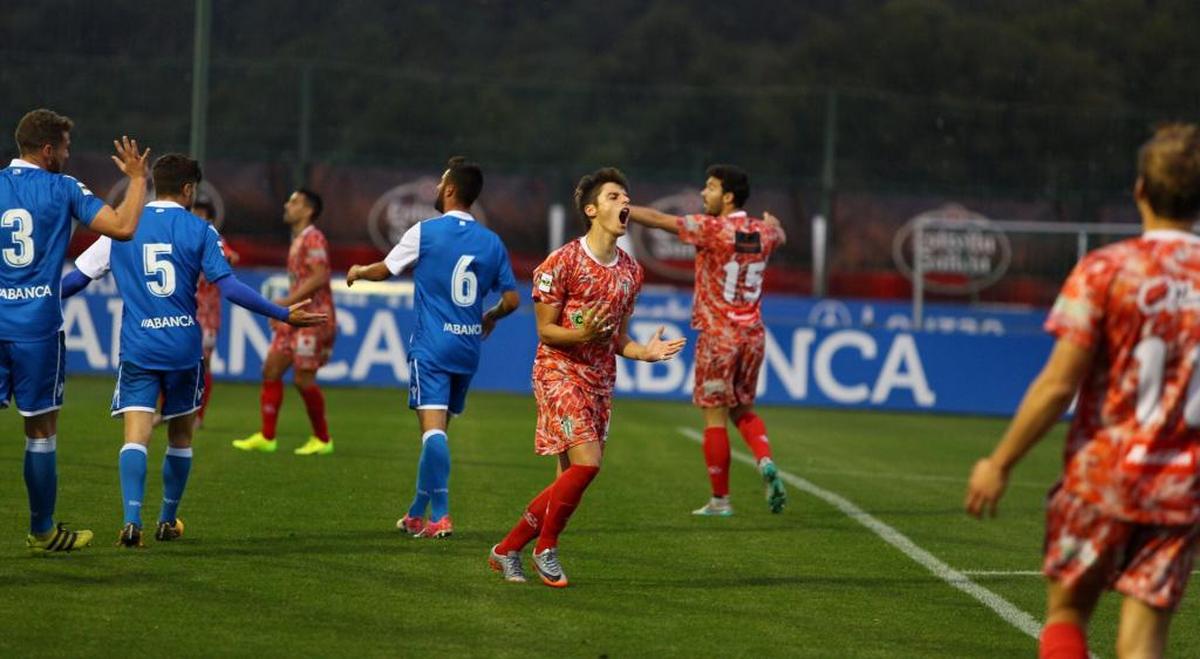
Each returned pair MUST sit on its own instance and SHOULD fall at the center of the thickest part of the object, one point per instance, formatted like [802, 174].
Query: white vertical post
[557, 223]
[820, 236]
[1081, 245]
[918, 307]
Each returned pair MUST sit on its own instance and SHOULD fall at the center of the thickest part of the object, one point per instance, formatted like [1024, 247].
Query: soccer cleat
[443, 528]
[130, 537]
[549, 569]
[315, 446]
[59, 539]
[169, 531]
[776, 495]
[716, 507]
[508, 565]
[256, 442]
[411, 525]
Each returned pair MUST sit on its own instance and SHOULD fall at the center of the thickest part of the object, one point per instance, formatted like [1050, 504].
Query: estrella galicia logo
[402, 207]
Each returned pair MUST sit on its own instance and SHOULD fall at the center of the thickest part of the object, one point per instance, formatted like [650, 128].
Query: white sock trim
[41, 444]
[130, 446]
[431, 433]
[179, 452]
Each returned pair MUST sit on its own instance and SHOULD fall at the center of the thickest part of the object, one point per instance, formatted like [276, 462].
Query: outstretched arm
[235, 291]
[377, 271]
[650, 217]
[122, 222]
[654, 350]
[1044, 403]
[774, 223]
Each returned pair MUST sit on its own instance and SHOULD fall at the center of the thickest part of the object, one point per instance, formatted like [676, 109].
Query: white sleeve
[405, 253]
[94, 261]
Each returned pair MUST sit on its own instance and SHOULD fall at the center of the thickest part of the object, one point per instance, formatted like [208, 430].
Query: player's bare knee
[738, 411]
[42, 425]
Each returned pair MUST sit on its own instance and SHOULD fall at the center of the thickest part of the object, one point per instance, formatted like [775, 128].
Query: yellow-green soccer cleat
[315, 446]
[256, 442]
[168, 531]
[59, 539]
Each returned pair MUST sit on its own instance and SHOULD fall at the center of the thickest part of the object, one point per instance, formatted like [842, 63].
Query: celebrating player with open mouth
[583, 296]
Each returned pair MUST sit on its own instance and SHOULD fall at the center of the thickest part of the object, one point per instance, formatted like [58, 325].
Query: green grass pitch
[292, 556]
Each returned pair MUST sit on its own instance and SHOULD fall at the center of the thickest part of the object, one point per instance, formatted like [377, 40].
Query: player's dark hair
[173, 171]
[207, 205]
[467, 178]
[587, 191]
[734, 180]
[1169, 167]
[314, 202]
[41, 127]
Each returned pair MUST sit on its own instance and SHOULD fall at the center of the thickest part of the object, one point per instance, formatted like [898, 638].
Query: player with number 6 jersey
[732, 251]
[456, 262]
[1127, 327]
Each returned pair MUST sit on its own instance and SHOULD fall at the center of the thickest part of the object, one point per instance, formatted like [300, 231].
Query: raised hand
[657, 350]
[128, 159]
[771, 220]
[298, 317]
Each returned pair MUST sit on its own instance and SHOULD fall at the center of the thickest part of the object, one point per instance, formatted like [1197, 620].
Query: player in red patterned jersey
[309, 348]
[583, 296]
[732, 250]
[1124, 514]
[208, 309]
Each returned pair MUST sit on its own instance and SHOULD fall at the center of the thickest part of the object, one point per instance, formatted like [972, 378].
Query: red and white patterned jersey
[573, 280]
[731, 255]
[308, 250]
[1133, 445]
[208, 300]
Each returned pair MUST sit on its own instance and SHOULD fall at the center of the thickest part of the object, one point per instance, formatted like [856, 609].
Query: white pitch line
[1002, 573]
[914, 477]
[1000, 606]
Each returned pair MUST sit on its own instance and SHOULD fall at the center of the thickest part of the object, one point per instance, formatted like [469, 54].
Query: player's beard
[439, 205]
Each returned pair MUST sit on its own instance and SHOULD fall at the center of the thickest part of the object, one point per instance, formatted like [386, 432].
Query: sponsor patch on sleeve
[545, 282]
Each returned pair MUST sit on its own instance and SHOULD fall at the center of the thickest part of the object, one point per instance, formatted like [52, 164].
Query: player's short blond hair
[1169, 169]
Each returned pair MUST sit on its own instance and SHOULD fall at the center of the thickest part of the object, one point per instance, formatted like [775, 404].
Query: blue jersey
[458, 262]
[156, 272]
[36, 207]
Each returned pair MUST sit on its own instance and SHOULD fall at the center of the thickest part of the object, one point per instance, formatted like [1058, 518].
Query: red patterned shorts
[727, 366]
[308, 347]
[568, 415]
[1149, 563]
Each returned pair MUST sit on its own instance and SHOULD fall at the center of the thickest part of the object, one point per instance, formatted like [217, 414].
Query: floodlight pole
[828, 182]
[200, 79]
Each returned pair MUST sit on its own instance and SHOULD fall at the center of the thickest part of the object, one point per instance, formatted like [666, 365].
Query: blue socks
[132, 464]
[41, 482]
[433, 477]
[176, 466]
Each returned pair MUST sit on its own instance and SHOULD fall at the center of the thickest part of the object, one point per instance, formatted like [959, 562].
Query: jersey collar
[1170, 234]
[163, 204]
[17, 162]
[462, 215]
[737, 214]
[587, 250]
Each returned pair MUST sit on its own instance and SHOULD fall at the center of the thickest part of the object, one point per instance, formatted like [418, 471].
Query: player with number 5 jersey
[455, 262]
[732, 251]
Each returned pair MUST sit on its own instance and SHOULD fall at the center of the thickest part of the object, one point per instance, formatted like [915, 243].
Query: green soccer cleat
[776, 495]
[314, 446]
[256, 442]
[58, 539]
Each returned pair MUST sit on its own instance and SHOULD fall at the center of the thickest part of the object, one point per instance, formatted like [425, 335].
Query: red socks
[1062, 640]
[529, 525]
[314, 402]
[716, 456]
[270, 400]
[565, 495]
[205, 395]
[754, 433]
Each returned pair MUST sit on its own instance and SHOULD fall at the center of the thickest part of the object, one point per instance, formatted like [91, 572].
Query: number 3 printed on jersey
[21, 223]
[159, 268]
[751, 287]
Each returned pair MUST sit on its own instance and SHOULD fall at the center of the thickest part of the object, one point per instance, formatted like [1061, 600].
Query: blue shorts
[138, 390]
[32, 373]
[431, 388]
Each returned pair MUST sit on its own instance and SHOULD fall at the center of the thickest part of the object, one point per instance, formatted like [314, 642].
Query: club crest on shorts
[567, 425]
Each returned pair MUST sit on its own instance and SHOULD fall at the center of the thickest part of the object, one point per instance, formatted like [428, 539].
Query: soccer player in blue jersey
[161, 342]
[455, 262]
[37, 202]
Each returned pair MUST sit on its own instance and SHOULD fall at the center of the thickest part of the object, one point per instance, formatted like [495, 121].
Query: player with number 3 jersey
[1127, 322]
[732, 251]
